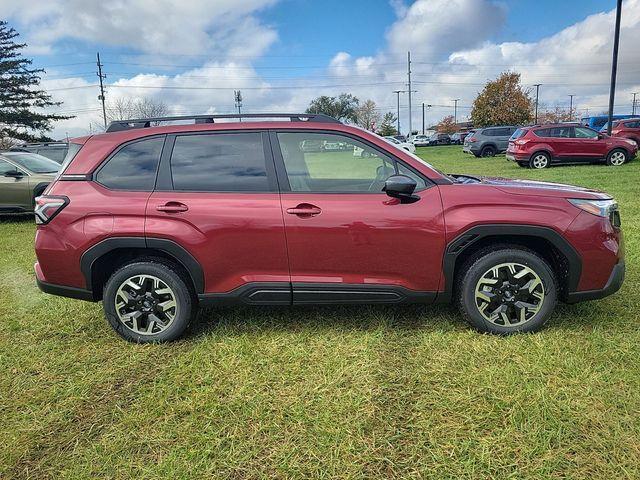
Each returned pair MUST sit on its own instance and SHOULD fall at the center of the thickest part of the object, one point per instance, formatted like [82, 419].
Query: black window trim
[283, 179]
[164, 180]
[94, 175]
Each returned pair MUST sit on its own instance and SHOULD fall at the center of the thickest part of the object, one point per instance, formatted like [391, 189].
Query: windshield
[33, 162]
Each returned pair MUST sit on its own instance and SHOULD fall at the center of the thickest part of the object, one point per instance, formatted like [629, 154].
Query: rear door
[217, 197]
[347, 240]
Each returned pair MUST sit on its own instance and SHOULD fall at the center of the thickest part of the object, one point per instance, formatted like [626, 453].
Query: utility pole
[633, 106]
[101, 96]
[614, 65]
[398, 92]
[409, 85]
[237, 96]
[455, 111]
[571, 106]
[537, 85]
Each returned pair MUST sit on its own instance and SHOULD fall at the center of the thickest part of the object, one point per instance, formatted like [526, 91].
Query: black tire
[539, 160]
[488, 151]
[617, 157]
[184, 311]
[485, 262]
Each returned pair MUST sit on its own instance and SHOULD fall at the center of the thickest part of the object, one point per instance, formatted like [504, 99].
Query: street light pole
[614, 65]
[455, 111]
[537, 85]
[633, 106]
[571, 106]
[398, 92]
[409, 90]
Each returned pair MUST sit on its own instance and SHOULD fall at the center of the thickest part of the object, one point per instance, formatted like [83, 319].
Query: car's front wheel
[617, 157]
[506, 291]
[148, 301]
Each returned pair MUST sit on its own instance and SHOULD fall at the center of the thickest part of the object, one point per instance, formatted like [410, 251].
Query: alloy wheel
[617, 158]
[145, 304]
[509, 294]
[540, 161]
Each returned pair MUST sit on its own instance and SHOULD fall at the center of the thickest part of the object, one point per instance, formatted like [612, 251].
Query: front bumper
[614, 283]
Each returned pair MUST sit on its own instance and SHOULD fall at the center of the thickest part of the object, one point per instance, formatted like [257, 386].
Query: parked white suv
[406, 145]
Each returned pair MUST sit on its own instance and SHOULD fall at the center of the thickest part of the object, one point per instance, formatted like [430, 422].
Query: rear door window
[221, 162]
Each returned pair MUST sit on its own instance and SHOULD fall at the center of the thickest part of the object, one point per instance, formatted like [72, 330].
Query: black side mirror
[402, 187]
[14, 174]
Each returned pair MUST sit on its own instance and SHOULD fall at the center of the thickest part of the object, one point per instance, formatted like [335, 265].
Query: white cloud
[433, 28]
[150, 26]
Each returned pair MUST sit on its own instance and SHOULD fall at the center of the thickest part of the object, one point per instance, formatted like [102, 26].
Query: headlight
[602, 208]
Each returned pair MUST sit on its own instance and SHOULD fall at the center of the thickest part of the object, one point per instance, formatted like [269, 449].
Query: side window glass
[6, 167]
[219, 162]
[420, 183]
[321, 162]
[585, 133]
[133, 167]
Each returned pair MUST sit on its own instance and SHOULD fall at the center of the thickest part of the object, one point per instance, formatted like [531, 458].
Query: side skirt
[316, 294]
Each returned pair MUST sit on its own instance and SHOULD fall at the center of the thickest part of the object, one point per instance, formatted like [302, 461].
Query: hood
[535, 187]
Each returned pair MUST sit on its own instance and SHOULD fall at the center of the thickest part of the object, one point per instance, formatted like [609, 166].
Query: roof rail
[119, 125]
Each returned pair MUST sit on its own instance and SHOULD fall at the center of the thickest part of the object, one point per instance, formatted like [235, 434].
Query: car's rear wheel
[148, 301]
[507, 290]
[540, 160]
[617, 157]
[488, 151]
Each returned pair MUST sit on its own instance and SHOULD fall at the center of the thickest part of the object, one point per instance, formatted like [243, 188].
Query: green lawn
[335, 392]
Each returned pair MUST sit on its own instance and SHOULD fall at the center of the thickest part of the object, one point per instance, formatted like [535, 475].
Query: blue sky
[281, 53]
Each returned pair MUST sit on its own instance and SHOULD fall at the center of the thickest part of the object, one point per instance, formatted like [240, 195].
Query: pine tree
[19, 96]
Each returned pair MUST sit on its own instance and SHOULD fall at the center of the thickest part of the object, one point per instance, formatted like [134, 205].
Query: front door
[588, 144]
[14, 188]
[217, 197]
[347, 240]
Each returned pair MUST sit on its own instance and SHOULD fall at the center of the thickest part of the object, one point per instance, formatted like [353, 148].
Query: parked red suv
[541, 145]
[629, 128]
[158, 220]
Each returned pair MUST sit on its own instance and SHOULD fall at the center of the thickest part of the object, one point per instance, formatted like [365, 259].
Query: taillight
[472, 139]
[48, 206]
[521, 142]
[615, 132]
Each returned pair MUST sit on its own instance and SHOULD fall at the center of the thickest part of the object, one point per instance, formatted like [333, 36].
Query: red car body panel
[236, 237]
[370, 238]
[366, 239]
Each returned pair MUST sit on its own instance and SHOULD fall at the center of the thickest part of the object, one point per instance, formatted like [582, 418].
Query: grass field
[334, 392]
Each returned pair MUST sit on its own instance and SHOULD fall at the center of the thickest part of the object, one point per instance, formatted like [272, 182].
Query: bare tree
[367, 115]
[126, 108]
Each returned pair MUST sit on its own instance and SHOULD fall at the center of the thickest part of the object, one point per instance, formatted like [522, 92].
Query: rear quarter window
[133, 166]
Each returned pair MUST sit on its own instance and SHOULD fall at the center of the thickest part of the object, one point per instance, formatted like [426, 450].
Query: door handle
[172, 207]
[305, 210]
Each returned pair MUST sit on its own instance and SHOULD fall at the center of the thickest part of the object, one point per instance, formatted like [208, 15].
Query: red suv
[629, 128]
[156, 221]
[541, 145]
